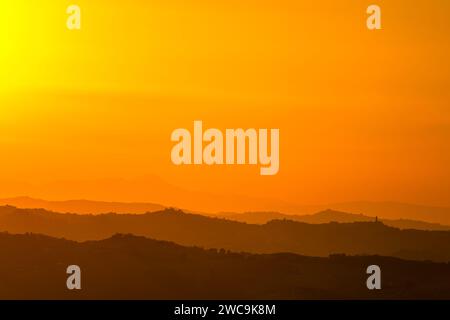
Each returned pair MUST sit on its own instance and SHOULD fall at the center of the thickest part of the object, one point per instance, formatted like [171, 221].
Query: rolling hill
[254, 217]
[81, 206]
[130, 267]
[386, 210]
[371, 238]
[328, 216]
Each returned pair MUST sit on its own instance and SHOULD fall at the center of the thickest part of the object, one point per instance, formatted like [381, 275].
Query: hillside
[386, 210]
[328, 216]
[276, 236]
[81, 206]
[130, 267]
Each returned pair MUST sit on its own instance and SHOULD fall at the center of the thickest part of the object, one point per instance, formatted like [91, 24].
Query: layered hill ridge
[371, 238]
[320, 213]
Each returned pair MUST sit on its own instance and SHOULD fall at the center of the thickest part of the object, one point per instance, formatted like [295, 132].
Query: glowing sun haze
[363, 115]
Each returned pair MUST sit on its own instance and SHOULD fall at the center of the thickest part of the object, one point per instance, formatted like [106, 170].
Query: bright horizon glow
[362, 115]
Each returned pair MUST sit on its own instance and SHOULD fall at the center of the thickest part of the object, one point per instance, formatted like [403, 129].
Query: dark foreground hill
[276, 236]
[130, 267]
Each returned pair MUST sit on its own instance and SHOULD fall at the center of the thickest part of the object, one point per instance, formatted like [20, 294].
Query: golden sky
[363, 115]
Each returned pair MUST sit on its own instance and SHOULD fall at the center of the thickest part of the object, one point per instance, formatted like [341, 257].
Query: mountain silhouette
[130, 267]
[328, 216]
[368, 238]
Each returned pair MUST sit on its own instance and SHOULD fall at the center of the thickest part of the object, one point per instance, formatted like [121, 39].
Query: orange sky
[363, 115]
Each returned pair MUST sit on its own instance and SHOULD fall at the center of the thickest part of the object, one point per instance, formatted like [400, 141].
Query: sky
[363, 115]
